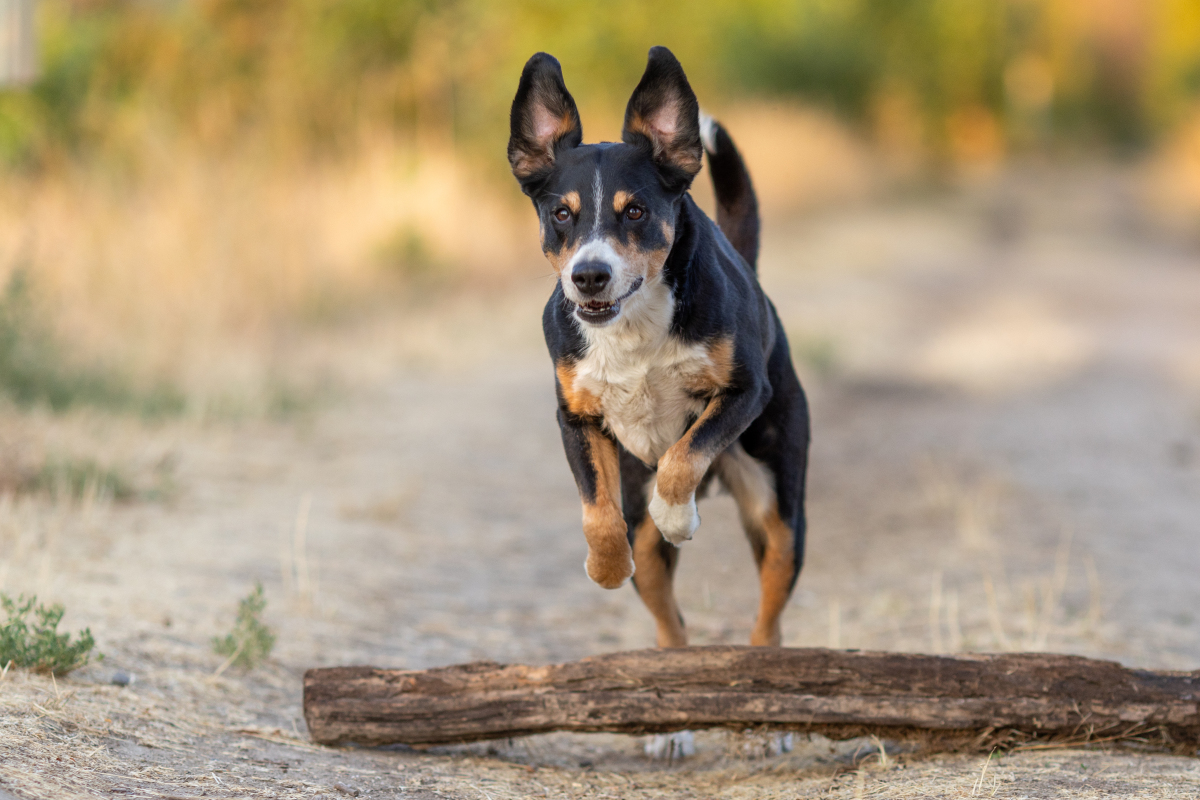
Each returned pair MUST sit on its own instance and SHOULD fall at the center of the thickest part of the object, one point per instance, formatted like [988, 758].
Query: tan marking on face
[572, 201]
[647, 263]
[655, 585]
[621, 199]
[681, 468]
[717, 372]
[610, 558]
[563, 257]
[580, 402]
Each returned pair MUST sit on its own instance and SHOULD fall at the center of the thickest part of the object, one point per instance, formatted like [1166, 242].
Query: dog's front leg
[683, 466]
[593, 458]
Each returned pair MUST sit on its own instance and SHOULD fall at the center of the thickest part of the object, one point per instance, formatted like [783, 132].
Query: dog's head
[607, 211]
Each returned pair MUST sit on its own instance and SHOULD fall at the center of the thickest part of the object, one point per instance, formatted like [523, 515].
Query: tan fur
[647, 263]
[775, 572]
[563, 257]
[566, 124]
[546, 132]
[580, 401]
[752, 486]
[717, 373]
[572, 201]
[665, 146]
[621, 200]
[681, 469]
[610, 559]
[654, 584]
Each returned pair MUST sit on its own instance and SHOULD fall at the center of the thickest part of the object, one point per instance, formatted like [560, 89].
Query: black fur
[709, 269]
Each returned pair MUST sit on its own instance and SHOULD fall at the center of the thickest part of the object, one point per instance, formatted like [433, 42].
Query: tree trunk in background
[18, 43]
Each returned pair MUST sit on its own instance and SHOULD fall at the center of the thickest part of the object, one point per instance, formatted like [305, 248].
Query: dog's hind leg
[752, 485]
[654, 557]
[764, 471]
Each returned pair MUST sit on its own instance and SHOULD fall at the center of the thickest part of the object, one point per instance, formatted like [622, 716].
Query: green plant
[34, 369]
[310, 76]
[38, 645]
[75, 478]
[250, 642]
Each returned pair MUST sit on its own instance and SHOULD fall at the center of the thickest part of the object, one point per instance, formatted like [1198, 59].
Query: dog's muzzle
[597, 312]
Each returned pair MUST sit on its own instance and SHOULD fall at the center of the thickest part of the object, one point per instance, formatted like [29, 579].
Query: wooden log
[838, 693]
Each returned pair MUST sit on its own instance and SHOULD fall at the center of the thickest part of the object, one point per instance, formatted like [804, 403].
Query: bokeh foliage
[314, 76]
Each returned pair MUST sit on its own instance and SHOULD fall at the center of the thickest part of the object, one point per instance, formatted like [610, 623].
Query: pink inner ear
[545, 124]
[665, 119]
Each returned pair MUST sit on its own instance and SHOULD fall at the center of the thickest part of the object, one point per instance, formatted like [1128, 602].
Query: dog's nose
[591, 277]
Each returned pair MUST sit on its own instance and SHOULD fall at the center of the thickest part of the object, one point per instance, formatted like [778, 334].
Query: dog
[671, 365]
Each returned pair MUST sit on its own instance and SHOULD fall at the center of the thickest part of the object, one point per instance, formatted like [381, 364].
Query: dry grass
[191, 735]
[976, 594]
[211, 274]
[205, 272]
[198, 272]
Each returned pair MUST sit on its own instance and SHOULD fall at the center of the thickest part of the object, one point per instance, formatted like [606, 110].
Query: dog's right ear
[544, 119]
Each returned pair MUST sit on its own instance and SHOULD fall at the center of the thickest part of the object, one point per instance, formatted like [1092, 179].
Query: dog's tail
[737, 207]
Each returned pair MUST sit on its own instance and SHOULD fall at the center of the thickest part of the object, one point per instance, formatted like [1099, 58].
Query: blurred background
[270, 310]
[183, 182]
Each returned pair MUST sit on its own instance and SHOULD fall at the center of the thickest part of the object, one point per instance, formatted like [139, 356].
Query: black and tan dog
[672, 365]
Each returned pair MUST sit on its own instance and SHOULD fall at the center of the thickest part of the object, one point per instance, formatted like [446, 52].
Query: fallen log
[993, 698]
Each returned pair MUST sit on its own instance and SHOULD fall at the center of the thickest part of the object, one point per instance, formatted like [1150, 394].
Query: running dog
[671, 364]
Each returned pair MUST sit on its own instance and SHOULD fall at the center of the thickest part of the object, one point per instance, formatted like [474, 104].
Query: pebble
[347, 790]
[122, 678]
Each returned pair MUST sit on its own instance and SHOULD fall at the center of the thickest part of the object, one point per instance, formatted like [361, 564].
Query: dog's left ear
[663, 114]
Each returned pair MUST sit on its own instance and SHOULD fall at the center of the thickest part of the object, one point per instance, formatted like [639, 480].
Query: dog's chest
[645, 389]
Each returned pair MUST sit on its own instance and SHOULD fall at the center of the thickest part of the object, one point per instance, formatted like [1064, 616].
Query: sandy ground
[1005, 385]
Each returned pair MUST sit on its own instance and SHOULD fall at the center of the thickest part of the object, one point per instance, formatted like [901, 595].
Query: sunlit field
[270, 314]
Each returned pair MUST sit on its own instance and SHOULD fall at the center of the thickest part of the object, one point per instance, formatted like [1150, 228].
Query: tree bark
[992, 698]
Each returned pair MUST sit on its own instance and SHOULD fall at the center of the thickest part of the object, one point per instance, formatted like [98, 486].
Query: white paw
[670, 746]
[676, 523]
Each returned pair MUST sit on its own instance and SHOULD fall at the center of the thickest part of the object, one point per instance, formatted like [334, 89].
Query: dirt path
[1006, 398]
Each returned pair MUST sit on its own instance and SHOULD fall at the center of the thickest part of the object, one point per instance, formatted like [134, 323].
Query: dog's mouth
[597, 312]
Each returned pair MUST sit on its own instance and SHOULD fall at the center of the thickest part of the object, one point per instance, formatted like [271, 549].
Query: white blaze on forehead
[597, 199]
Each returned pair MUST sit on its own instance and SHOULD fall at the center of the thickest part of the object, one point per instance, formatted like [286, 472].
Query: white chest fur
[641, 374]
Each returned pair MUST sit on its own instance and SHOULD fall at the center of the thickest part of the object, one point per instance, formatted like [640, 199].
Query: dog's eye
[562, 214]
[635, 212]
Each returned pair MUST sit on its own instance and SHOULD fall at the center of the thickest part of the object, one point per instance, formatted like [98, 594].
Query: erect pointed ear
[544, 119]
[664, 114]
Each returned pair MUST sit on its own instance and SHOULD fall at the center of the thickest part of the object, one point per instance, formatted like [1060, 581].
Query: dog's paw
[766, 745]
[670, 746]
[610, 571]
[676, 522]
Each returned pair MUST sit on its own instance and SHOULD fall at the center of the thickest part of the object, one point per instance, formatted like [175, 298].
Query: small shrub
[39, 646]
[250, 642]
